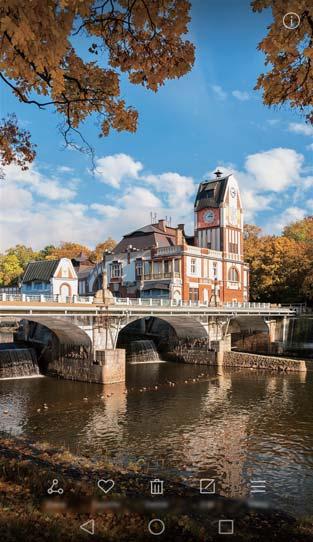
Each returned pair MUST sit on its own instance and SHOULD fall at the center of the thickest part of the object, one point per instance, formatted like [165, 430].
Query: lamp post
[215, 287]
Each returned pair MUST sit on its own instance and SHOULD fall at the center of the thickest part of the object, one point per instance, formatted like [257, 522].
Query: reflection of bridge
[103, 323]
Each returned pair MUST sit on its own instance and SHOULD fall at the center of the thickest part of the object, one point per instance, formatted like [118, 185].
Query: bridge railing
[172, 303]
[137, 302]
[24, 298]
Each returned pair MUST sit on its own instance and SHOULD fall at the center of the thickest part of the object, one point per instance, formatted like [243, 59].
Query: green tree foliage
[10, 269]
[24, 254]
[281, 267]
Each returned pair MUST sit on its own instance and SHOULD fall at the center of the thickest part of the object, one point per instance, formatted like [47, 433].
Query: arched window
[233, 275]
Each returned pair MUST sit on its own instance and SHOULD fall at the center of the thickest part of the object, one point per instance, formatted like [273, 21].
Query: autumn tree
[302, 232]
[15, 145]
[67, 250]
[97, 254]
[41, 64]
[281, 267]
[288, 55]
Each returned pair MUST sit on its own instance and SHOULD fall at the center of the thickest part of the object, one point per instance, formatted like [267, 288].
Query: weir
[18, 363]
[142, 351]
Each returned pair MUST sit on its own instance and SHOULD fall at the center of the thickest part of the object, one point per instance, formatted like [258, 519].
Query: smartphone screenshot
[156, 270]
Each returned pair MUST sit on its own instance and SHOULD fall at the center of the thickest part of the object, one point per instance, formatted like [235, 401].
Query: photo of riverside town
[156, 270]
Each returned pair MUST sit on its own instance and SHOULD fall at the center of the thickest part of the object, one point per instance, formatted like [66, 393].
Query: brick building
[161, 261]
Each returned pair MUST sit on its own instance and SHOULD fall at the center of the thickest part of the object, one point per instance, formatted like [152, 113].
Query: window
[147, 268]
[193, 266]
[157, 268]
[167, 266]
[176, 266]
[193, 294]
[116, 270]
[233, 275]
[215, 270]
[233, 247]
[37, 285]
[139, 268]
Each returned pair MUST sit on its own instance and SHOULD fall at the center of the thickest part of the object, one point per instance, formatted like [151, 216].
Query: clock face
[232, 191]
[208, 217]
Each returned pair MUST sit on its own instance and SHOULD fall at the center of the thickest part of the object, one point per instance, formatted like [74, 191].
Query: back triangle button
[88, 527]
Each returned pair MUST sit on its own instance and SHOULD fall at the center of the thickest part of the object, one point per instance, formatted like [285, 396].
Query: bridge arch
[54, 339]
[250, 333]
[166, 332]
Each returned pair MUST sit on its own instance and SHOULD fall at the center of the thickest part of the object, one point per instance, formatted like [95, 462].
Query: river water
[183, 421]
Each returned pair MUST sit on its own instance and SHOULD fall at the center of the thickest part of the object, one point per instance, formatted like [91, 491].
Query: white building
[50, 278]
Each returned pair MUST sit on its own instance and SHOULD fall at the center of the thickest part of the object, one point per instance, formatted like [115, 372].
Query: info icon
[291, 20]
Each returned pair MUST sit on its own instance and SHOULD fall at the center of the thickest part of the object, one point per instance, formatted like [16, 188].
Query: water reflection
[233, 425]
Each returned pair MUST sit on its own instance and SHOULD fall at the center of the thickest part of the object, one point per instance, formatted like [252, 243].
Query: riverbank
[27, 470]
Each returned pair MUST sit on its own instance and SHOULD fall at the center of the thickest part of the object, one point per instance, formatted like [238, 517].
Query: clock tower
[218, 215]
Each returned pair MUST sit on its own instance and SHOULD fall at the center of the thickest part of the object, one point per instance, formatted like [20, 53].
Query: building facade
[50, 278]
[161, 261]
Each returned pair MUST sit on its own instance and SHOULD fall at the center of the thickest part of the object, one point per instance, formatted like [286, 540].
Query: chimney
[218, 173]
[162, 224]
[180, 234]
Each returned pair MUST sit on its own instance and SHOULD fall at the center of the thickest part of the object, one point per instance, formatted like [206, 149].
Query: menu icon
[258, 486]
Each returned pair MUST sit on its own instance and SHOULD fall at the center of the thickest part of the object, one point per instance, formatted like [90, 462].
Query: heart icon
[105, 485]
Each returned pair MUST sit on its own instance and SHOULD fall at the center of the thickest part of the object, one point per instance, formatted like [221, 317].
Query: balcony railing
[161, 276]
[168, 251]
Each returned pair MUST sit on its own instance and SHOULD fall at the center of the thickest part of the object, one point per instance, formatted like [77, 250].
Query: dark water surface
[237, 426]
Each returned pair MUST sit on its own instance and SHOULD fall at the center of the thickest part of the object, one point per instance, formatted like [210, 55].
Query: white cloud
[275, 169]
[65, 169]
[33, 215]
[266, 174]
[39, 210]
[38, 183]
[290, 214]
[141, 198]
[241, 95]
[177, 188]
[113, 169]
[301, 128]
[219, 92]
[108, 211]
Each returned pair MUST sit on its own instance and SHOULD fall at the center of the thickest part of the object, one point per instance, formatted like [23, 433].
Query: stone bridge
[246, 326]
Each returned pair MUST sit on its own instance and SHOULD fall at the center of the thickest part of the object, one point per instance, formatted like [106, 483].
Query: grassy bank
[27, 470]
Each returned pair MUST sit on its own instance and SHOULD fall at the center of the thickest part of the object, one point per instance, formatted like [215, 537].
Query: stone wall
[108, 368]
[191, 355]
[257, 341]
[257, 361]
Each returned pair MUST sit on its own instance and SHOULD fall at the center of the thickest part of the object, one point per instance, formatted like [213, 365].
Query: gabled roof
[147, 237]
[41, 270]
[211, 193]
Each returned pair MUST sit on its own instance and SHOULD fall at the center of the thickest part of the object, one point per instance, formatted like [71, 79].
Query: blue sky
[211, 117]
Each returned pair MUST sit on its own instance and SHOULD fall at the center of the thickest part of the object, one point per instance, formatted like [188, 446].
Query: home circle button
[156, 527]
